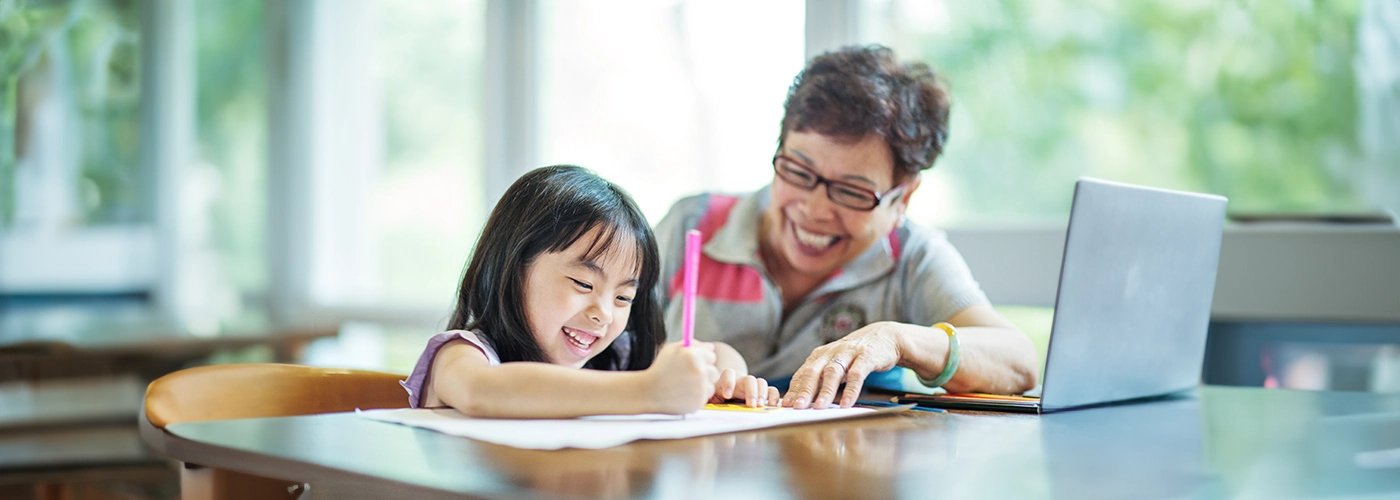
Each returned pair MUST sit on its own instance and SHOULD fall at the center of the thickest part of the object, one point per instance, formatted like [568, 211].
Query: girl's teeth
[577, 341]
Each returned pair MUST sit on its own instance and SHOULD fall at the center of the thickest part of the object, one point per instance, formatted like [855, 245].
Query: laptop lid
[1136, 283]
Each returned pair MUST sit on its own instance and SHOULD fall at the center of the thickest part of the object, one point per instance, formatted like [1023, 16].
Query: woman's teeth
[813, 239]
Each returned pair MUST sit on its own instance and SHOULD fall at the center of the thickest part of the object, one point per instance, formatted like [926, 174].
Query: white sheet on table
[601, 431]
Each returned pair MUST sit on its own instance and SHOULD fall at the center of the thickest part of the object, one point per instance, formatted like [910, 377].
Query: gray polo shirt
[912, 276]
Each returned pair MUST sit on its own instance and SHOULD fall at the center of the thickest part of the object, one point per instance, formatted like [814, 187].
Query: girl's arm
[726, 358]
[679, 381]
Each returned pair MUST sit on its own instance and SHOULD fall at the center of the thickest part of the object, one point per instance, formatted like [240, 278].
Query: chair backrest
[251, 390]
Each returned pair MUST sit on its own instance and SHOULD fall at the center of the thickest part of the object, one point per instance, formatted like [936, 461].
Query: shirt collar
[736, 242]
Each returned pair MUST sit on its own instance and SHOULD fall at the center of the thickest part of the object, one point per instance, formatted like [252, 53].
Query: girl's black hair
[547, 210]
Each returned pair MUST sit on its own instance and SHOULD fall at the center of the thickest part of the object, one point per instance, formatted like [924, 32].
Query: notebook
[1133, 303]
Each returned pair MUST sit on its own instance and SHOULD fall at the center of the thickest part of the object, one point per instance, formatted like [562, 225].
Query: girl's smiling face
[576, 306]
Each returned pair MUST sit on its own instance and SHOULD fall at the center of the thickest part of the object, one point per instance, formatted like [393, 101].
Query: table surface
[1214, 442]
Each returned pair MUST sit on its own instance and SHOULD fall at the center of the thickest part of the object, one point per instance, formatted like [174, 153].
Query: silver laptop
[1133, 303]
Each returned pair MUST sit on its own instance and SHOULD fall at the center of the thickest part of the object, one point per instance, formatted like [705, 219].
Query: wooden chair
[251, 390]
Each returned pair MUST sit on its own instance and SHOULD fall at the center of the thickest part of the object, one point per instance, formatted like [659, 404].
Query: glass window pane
[1253, 100]
[667, 98]
[231, 123]
[70, 95]
[427, 205]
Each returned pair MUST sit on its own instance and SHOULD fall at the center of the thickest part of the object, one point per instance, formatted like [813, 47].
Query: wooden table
[1216, 443]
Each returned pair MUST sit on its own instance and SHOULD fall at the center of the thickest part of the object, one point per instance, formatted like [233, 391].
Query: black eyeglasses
[847, 195]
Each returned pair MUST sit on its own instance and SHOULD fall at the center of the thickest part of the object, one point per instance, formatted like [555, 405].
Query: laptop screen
[1133, 305]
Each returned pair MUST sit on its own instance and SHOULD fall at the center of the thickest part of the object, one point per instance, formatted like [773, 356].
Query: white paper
[602, 431]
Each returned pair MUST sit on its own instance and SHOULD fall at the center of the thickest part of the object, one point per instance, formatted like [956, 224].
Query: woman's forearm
[994, 359]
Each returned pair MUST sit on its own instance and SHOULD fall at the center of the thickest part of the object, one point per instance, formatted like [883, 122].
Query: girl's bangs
[611, 233]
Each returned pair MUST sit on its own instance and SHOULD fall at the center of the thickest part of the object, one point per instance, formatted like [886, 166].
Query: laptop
[1133, 303]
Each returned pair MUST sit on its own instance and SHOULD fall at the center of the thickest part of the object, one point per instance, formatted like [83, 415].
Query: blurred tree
[93, 46]
[1255, 100]
[22, 30]
[231, 122]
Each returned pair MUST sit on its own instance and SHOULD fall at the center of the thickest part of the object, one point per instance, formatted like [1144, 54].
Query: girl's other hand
[682, 379]
[753, 390]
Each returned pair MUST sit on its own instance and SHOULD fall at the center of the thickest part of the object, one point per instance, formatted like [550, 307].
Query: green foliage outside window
[1255, 100]
[89, 53]
[231, 123]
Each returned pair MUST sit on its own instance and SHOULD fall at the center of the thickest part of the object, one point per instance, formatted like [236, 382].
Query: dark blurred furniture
[1237, 352]
[246, 390]
[71, 384]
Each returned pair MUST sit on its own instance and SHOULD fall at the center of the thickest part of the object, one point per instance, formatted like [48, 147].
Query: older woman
[819, 275]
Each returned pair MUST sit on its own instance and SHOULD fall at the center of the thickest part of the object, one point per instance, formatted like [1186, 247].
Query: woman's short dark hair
[548, 210]
[857, 91]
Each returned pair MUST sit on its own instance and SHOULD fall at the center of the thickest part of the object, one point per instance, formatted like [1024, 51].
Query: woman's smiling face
[577, 307]
[804, 231]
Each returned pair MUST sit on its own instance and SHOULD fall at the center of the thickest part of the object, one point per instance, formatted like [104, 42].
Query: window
[395, 151]
[71, 181]
[231, 129]
[427, 205]
[667, 98]
[70, 115]
[1284, 107]
[1254, 100]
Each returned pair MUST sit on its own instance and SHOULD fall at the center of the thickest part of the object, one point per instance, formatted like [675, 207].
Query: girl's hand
[753, 390]
[682, 379]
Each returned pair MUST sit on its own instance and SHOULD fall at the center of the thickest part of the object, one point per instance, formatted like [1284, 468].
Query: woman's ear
[909, 193]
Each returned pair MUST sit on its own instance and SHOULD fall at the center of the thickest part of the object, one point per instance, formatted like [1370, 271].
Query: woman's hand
[753, 390]
[872, 348]
[682, 379]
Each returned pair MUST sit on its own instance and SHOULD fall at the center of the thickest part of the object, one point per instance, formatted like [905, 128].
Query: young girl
[564, 276]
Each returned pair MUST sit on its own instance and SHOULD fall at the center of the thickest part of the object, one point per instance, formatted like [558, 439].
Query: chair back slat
[250, 390]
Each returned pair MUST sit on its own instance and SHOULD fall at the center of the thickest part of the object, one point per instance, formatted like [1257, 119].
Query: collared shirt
[912, 276]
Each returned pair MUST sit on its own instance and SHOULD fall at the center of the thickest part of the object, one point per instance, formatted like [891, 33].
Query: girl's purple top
[419, 377]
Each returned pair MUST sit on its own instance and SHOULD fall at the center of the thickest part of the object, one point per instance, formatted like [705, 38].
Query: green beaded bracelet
[954, 355]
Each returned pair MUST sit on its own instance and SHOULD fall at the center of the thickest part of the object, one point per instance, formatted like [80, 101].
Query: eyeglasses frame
[879, 197]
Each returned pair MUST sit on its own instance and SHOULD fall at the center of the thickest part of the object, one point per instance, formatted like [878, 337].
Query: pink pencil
[692, 267]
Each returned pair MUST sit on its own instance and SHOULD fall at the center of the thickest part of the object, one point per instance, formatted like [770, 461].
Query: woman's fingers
[815, 383]
[832, 376]
[855, 381]
[805, 380]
